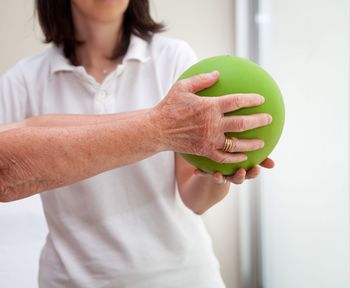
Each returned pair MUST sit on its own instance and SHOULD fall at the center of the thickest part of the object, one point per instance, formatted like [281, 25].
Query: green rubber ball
[238, 75]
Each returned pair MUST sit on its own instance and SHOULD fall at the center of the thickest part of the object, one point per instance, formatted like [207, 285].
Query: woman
[127, 227]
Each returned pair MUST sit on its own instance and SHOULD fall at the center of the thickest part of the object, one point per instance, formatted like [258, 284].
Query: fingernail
[269, 119]
[261, 99]
[261, 144]
[214, 74]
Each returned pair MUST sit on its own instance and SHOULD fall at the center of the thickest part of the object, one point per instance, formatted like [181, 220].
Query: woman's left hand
[239, 176]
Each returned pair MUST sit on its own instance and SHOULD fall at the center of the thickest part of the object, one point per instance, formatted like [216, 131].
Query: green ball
[238, 75]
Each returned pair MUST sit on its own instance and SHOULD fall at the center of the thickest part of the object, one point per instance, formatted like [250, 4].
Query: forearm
[36, 159]
[65, 120]
[77, 119]
[199, 194]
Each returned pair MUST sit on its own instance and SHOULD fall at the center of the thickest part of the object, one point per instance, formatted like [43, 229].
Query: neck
[100, 40]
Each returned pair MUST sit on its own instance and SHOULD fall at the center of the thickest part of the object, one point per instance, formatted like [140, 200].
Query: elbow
[199, 212]
[196, 209]
[6, 199]
[6, 196]
[6, 193]
[8, 175]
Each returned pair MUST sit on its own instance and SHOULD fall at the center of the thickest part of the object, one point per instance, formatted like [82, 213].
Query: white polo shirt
[126, 227]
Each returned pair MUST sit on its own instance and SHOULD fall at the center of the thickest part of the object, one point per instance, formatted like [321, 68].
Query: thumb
[199, 82]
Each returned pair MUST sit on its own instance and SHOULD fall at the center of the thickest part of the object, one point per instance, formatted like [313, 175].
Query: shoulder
[173, 56]
[39, 63]
[30, 66]
[162, 44]
[37, 59]
[16, 84]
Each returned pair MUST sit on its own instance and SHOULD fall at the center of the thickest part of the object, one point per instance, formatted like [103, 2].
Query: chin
[101, 10]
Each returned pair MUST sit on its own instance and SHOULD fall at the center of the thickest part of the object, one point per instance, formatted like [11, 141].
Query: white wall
[22, 224]
[306, 197]
[209, 27]
[20, 35]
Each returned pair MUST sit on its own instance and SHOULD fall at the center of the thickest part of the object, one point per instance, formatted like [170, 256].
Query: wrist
[158, 125]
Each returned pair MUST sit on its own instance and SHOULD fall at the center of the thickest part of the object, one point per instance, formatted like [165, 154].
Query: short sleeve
[185, 58]
[13, 96]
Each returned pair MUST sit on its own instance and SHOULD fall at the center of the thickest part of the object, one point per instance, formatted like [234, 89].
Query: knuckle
[260, 119]
[253, 99]
[220, 142]
[237, 101]
[214, 157]
[180, 85]
[203, 149]
[209, 148]
[235, 145]
[201, 106]
[200, 77]
[198, 149]
[210, 122]
[220, 158]
[206, 104]
[241, 124]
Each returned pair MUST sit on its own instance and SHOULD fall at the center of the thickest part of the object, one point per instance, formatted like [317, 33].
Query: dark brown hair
[56, 21]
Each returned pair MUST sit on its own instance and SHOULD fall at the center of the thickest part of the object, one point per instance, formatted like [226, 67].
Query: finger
[199, 82]
[242, 145]
[245, 122]
[217, 177]
[252, 173]
[201, 173]
[238, 177]
[223, 157]
[234, 102]
[267, 163]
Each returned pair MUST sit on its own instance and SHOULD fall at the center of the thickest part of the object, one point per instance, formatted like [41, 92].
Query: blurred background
[290, 227]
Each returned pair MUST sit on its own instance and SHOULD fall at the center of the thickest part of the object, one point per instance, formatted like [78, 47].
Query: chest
[129, 87]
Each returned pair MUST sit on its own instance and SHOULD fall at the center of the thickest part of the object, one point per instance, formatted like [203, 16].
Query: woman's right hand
[196, 125]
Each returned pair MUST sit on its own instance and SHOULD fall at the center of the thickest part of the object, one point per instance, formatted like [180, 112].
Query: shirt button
[101, 95]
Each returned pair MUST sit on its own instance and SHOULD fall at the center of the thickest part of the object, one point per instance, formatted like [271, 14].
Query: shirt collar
[138, 50]
[59, 62]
